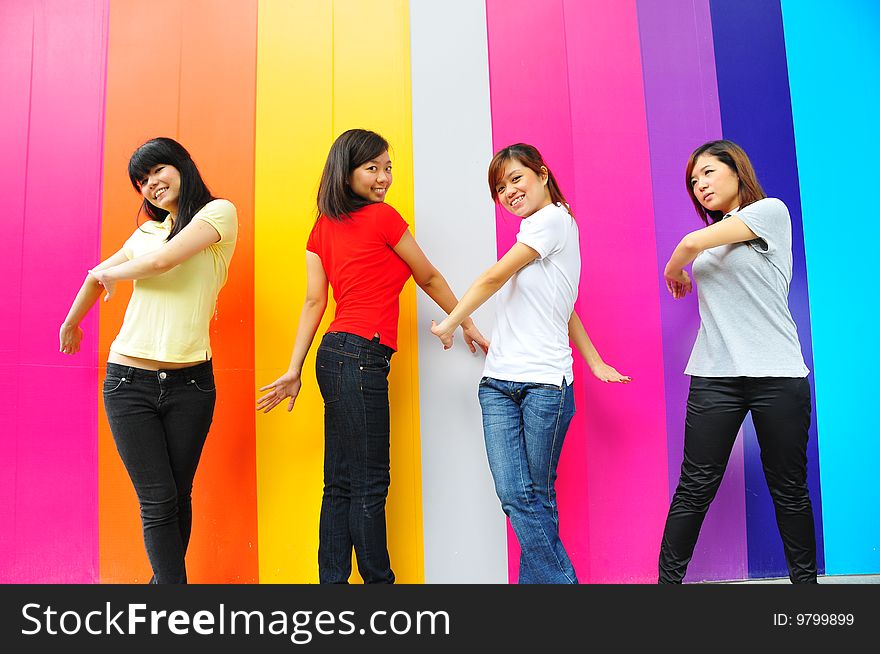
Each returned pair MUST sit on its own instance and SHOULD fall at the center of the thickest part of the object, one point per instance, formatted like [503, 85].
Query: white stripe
[465, 529]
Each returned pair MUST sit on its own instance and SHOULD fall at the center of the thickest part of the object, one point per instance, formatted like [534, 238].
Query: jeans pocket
[328, 370]
[370, 362]
[205, 385]
[113, 383]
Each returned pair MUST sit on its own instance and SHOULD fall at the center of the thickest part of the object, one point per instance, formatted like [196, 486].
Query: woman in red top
[362, 247]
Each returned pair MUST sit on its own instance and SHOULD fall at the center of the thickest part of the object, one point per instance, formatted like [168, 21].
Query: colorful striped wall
[615, 95]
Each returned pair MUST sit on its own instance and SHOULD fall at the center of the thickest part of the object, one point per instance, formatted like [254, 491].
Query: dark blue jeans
[524, 425]
[352, 373]
[716, 408]
[160, 420]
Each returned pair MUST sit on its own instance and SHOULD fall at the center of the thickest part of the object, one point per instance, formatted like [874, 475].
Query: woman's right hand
[473, 337]
[287, 385]
[70, 337]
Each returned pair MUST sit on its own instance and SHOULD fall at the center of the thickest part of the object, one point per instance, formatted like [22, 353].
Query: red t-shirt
[364, 271]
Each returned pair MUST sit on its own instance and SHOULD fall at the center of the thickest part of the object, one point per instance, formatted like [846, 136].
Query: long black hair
[351, 149]
[194, 193]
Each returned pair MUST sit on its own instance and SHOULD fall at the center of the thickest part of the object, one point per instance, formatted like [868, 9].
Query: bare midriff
[149, 364]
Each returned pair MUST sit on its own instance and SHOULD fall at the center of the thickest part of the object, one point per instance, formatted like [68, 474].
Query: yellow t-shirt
[168, 316]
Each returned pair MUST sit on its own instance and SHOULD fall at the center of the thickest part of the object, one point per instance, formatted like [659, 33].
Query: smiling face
[371, 180]
[521, 190]
[161, 187]
[714, 184]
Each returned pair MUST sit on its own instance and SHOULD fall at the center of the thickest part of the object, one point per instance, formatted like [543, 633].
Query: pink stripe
[573, 88]
[50, 488]
[619, 299]
[529, 89]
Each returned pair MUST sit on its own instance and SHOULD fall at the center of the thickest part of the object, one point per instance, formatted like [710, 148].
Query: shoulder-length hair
[529, 157]
[351, 149]
[735, 158]
[194, 193]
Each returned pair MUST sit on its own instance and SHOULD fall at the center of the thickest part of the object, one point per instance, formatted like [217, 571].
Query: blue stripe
[755, 104]
[833, 59]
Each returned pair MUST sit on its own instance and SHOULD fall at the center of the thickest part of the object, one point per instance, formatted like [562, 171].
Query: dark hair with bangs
[194, 193]
[735, 158]
[529, 157]
[351, 149]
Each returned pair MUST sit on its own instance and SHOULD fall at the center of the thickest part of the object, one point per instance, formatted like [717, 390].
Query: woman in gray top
[747, 357]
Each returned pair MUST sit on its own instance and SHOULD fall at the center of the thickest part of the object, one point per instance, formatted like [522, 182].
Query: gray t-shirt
[746, 328]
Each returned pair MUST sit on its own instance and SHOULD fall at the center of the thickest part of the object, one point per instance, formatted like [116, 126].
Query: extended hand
[287, 385]
[606, 373]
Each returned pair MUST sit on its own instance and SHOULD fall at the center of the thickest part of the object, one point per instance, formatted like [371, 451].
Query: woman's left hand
[286, 386]
[443, 332]
[677, 282]
[109, 285]
[606, 373]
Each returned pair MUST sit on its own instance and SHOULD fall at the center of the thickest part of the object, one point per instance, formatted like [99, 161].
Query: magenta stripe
[49, 507]
[681, 97]
[574, 90]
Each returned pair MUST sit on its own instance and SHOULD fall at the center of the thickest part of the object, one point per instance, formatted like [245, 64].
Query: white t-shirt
[530, 338]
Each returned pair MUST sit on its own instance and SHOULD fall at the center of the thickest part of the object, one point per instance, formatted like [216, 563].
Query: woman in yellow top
[159, 389]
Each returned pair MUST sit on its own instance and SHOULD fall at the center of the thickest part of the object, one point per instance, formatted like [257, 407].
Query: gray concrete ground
[823, 579]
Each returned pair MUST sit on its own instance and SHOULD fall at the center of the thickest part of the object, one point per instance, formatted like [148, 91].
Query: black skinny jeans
[352, 373]
[160, 420]
[716, 408]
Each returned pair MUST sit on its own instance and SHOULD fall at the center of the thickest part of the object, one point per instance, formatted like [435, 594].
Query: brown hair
[529, 157]
[735, 158]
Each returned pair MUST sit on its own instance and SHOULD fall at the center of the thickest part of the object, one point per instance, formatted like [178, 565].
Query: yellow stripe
[323, 68]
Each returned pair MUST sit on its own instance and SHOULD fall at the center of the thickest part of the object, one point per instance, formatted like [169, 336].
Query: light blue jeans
[524, 425]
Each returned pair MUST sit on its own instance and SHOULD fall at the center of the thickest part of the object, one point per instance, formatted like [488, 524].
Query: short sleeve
[544, 231]
[770, 221]
[390, 224]
[222, 216]
[313, 244]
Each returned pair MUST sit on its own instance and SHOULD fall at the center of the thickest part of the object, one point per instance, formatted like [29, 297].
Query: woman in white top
[159, 389]
[747, 357]
[526, 394]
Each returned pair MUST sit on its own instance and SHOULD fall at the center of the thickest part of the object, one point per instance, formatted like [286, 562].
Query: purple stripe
[682, 111]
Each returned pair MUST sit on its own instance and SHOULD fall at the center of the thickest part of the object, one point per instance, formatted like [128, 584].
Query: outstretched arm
[70, 334]
[434, 284]
[289, 384]
[191, 240]
[730, 230]
[485, 286]
[584, 345]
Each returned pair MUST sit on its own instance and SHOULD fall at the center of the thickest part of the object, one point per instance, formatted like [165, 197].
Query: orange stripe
[183, 69]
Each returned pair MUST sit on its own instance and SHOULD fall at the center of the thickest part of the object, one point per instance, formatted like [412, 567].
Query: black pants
[160, 420]
[352, 373]
[716, 408]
